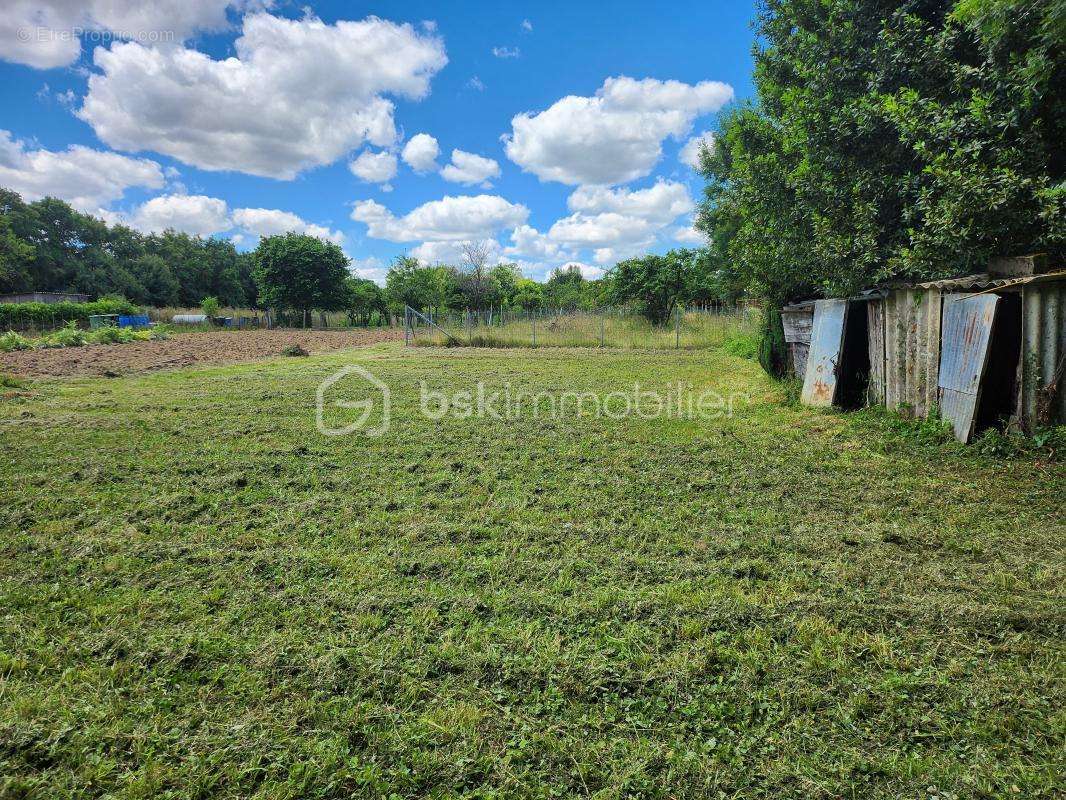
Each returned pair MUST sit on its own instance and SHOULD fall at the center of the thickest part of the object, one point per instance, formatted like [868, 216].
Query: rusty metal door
[827, 337]
[966, 331]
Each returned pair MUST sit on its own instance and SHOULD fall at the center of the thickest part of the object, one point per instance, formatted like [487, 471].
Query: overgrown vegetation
[605, 328]
[48, 315]
[783, 603]
[13, 341]
[891, 140]
[72, 336]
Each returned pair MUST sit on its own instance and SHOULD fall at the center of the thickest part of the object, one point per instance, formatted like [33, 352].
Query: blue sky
[240, 119]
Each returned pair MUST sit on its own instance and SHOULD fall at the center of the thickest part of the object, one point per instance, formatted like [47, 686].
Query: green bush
[114, 335]
[12, 341]
[67, 336]
[209, 305]
[47, 314]
[111, 335]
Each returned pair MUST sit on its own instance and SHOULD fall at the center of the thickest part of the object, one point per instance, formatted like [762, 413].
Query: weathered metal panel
[797, 321]
[875, 318]
[1043, 368]
[967, 329]
[797, 357]
[912, 349]
[827, 336]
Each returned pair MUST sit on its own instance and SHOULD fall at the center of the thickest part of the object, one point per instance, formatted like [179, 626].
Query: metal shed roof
[985, 281]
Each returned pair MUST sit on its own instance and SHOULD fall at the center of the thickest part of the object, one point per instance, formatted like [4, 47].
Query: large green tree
[657, 284]
[423, 288]
[300, 272]
[364, 301]
[892, 140]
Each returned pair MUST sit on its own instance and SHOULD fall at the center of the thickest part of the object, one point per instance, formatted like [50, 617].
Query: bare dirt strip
[183, 350]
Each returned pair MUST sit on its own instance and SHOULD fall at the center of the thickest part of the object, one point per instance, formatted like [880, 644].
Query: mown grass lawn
[201, 596]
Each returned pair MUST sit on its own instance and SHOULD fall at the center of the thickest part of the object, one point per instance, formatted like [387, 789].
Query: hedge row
[54, 314]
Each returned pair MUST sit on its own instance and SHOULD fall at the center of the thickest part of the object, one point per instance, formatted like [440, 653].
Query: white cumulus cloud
[371, 268]
[447, 219]
[662, 203]
[200, 215]
[690, 153]
[528, 241]
[298, 94]
[452, 252]
[687, 234]
[193, 214]
[41, 33]
[469, 169]
[506, 52]
[272, 221]
[374, 167]
[420, 153]
[84, 177]
[613, 137]
[613, 223]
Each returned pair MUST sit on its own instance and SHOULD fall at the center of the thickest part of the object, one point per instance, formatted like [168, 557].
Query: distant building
[44, 297]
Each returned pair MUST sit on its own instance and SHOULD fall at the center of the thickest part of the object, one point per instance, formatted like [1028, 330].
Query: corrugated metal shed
[912, 349]
[1042, 399]
[827, 336]
[967, 283]
[966, 326]
[906, 341]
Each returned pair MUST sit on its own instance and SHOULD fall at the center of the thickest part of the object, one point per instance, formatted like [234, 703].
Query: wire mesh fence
[687, 328]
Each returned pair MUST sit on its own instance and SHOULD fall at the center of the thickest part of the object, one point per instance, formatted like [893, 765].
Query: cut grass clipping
[203, 597]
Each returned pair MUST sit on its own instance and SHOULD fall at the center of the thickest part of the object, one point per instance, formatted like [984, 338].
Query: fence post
[406, 326]
[601, 329]
[533, 314]
[677, 326]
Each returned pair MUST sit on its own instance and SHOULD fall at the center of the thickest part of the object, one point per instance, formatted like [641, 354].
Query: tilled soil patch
[183, 350]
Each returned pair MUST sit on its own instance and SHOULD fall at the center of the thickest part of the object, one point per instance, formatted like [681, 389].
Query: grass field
[610, 329]
[201, 596]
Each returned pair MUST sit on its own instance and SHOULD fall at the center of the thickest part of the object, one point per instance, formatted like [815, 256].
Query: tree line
[49, 246]
[891, 140]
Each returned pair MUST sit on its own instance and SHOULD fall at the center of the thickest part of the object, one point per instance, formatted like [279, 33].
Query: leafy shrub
[1049, 442]
[294, 350]
[210, 307]
[13, 341]
[67, 336]
[46, 314]
[114, 335]
[111, 335]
